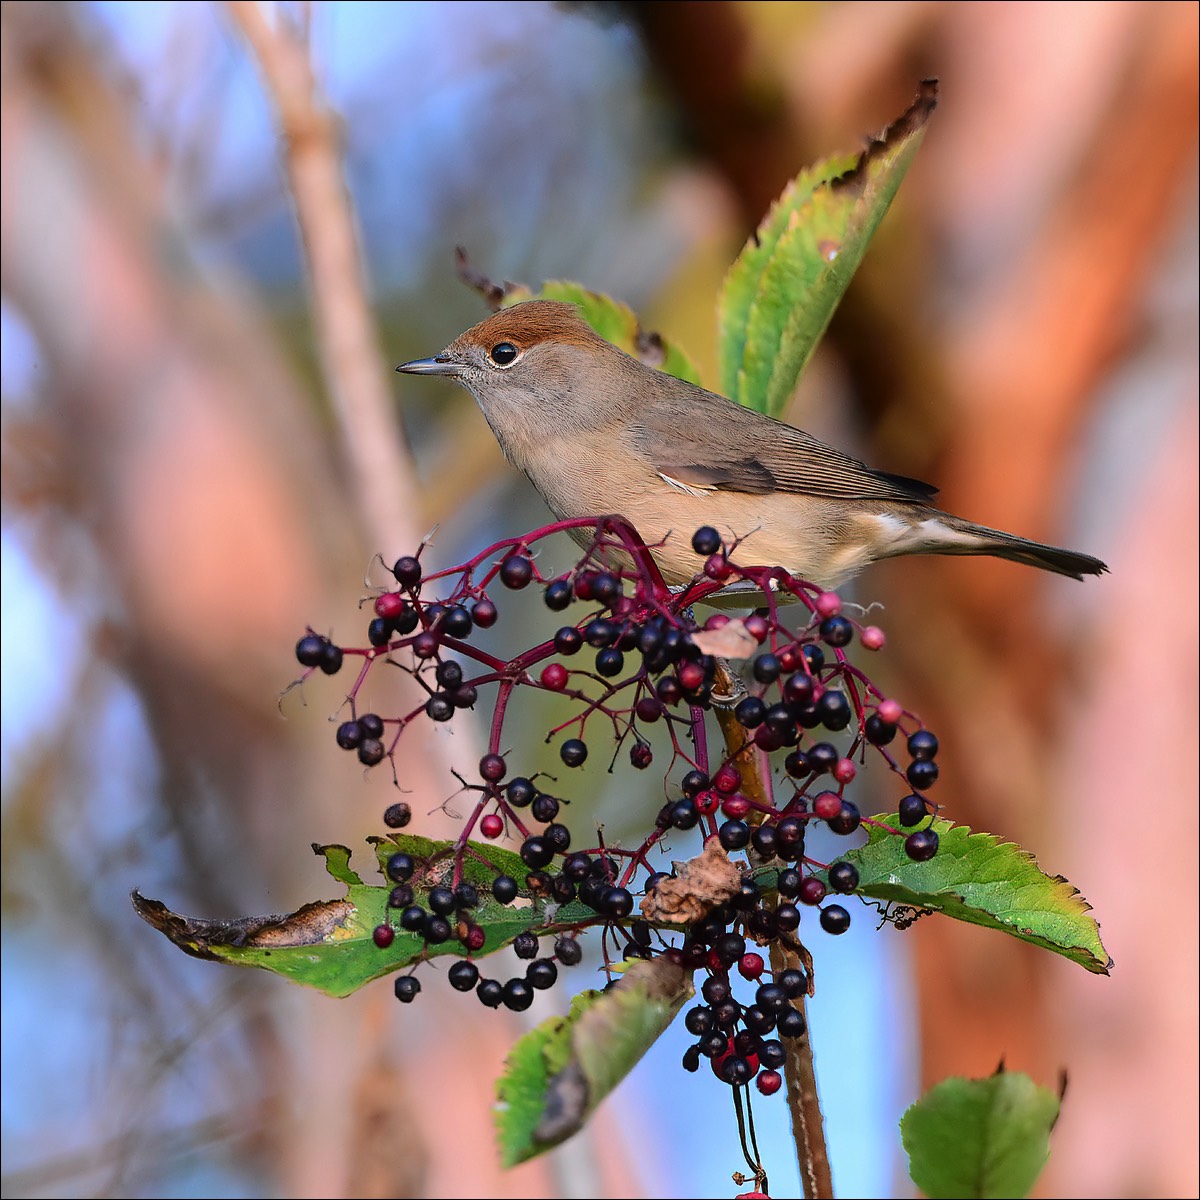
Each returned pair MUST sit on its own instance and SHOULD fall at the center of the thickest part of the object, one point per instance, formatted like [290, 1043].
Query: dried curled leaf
[698, 886]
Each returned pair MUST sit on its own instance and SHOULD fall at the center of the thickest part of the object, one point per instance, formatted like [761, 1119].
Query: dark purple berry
[310, 650]
[836, 631]
[922, 845]
[834, 710]
[558, 836]
[401, 896]
[765, 840]
[490, 992]
[466, 895]
[349, 735]
[515, 572]
[734, 835]
[834, 919]
[520, 792]
[843, 877]
[463, 976]
[699, 1020]
[436, 929]
[573, 752]
[617, 902]
[379, 631]
[504, 888]
[787, 918]
[441, 900]
[879, 732]
[610, 662]
[706, 540]
[544, 807]
[536, 852]
[331, 659]
[791, 1024]
[449, 675]
[923, 744]
[457, 622]
[640, 755]
[397, 815]
[772, 1055]
[568, 951]
[492, 768]
[541, 974]
[750, 712]
[913, 810]
[812, 891]
[793, 982]
[558, 595]
[847, 820]
[407, 987]
[407, 571]
[400, 867]
[767, 668]
[518, 995]
[922, 773]
[484, 613]
[789, 883]
[568, 640]
[413, 918]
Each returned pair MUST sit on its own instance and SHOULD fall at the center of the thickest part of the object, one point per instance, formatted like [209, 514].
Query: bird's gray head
[535, 370]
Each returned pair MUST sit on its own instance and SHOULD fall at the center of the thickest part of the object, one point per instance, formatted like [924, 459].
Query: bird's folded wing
[737, 450]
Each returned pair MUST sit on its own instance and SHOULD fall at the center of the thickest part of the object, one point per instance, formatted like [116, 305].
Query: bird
[597, 432]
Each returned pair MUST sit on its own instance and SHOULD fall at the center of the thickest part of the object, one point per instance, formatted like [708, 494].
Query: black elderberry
[515, 572]
[457, 622]
[746, 1043]
[407, 987]
[763, 923]
[922, 773]
[836, 631]
[504, 888]
[823, 756]
[577, 867]
[734, 835]
[694, 782]
[757, 1021]
[765, 840]
[413, 918]
[788, 883]
[923, 744]
[767, 668]
[729, 947]
[796, 765]
[913, 810]
[518, 995]
[750, 712]
[436, 929]
[747, 896]
[490, 992]
[848, 820]
[715, 989]
[814, 656]
[727, 1014]
[562, 889]
[834, 710]
[779, 720]
[617, 902]
[464, 697]
[684, 814]
[573, 752]
[793, 982]
[834, 919]
[706, 540]
[400, 867]
[544, 807]
[397, 815]
[536, 852]
[879, 732]
[310, 649]
[520, 792]
[541, 974]
[407, 571]
[714, 1044]
[771, 998]
[331, 659]
[568, 640]
[843, 877]
[610, 662]
[558, 595]
[791, 1023]
[691, 1059]
[371, 751]
[736, 1071]
[449, 674]
[599, 633]
[401, 896]
[606, 588]
[568, 951]
[922, 845]
[787, 917]
[439, 707]
[441, 900]
[349, 735]
[559, 837]
[463, 976]
[466, 895]
[405, 621]
[379, 631]
[484, 613]
[772, 1055]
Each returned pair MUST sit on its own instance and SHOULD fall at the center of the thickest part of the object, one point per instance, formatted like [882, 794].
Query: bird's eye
[504, 353]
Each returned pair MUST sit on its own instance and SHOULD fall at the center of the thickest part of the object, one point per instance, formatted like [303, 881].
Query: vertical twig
[799, 1070]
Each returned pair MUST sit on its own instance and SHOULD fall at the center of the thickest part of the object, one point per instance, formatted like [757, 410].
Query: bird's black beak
[440, 364]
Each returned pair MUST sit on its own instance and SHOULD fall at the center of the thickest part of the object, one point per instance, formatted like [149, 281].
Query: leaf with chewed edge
[329, 944]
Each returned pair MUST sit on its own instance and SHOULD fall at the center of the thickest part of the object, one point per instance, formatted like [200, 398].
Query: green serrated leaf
[329, 944]
[782, 290]
[977, 1138]
[615, 322]
[558, 1073]
[975, 877]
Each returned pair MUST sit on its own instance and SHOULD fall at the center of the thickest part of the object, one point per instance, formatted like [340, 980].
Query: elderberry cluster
[632, 656]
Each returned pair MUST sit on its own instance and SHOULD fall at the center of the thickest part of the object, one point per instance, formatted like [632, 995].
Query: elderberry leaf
[783, 288]
[329, 944]
[975, 877]
[977, 1138]
[613, 321]
[558, 1073]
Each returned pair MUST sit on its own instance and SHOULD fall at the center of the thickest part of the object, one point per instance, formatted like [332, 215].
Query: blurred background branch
[200, 455]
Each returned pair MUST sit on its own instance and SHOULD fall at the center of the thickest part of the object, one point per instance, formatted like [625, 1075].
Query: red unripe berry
[769, 1082]
[872, 638]
[716, 621]
[492, 768]
[844, 771]
[484, 613]
[383, 936]
[735, 807]
[491, 826]
[640, 755]
[554, 677]
[691, 676]
[713, 961]
[789, 659]
[727, 779]
[828, 604]
[890, 711]
[648, 709]
[827, 805]
[812, 890]
[757, 627]
[474, 939]
[717, 567]
[707, 803]
[750, 966]
[389, 605]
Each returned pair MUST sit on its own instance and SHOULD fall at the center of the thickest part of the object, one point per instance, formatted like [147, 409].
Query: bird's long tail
[941, 533]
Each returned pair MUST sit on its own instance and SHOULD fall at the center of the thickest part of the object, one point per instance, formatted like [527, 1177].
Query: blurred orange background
[203, 445]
